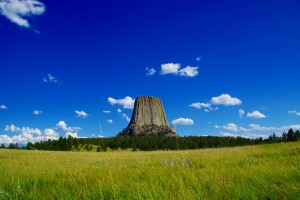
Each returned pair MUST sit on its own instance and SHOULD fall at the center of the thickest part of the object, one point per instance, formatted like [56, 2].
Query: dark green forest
[152, 143]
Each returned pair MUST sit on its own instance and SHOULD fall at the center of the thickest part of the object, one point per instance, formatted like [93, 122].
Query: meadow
[269, 171]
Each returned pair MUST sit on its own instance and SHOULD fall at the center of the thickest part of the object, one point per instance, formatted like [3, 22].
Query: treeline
[10, 146]
[147, 143]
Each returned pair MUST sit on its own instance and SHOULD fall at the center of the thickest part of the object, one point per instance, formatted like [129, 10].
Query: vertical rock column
[148, 118]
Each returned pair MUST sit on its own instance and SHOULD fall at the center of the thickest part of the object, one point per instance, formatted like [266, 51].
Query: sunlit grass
[253, 172]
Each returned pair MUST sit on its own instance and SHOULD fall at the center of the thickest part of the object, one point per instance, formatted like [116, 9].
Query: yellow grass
[253, 172]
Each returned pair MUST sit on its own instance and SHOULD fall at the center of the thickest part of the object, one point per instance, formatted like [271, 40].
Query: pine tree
[284, 137]
[76, 144]
[98, 148]
[13, 146]
[297, 135]
[291, 135]
[29, 146]
[69, 143]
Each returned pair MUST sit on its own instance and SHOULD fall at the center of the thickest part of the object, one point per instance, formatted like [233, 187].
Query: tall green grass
[253, 172]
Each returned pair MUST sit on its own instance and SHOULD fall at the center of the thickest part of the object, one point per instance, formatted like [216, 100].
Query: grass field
[253, 172]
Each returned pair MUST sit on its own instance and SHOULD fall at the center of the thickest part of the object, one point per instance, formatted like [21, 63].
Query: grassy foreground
[253, 172]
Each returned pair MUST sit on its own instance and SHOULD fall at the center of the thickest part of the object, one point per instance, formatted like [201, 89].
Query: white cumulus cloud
[12, 128]
[63, 126]
[24, 130]
[73, 135]
[226, 100]
[174, 68]
[31, 131]
[294, 112]
[272, 128]
[150, 71]
[235, 128]
[207, 106]
[244, 129]
[256, 114]
[18, 10]
[109, 121]
[124, 116]
[254, 128]
[189, 71]
[200, 105]
[70, 131]
[27, 134]
[3, 107]
[50, 132]
[231, 127]
[127, 102]
[233, 135]
[37, 112]
[81, 114]
[183, 121]
[106, 111]
[241, 113]
[170, 68]
[262, 128]
[50, 79]
[5, 139]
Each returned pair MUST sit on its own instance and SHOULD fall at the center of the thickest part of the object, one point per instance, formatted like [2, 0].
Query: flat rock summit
[148, 118]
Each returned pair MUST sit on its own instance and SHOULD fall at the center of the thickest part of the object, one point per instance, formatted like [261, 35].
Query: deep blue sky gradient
[100, 49]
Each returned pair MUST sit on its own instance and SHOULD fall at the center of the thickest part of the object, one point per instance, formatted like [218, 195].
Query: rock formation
[148, 118]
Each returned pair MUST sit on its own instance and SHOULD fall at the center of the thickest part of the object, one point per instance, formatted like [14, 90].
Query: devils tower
[148, 118]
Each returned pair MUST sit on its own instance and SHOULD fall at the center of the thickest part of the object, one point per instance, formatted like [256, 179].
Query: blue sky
[220, 67]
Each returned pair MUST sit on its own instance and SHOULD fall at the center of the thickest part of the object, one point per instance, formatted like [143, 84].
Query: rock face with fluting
[148, 118]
